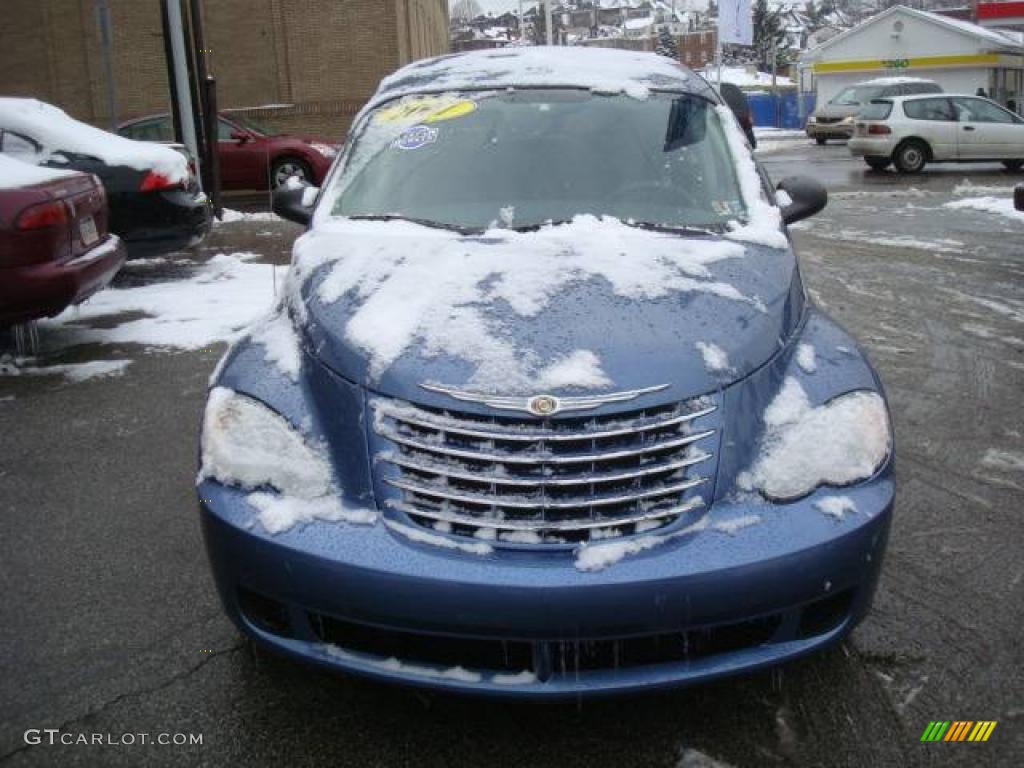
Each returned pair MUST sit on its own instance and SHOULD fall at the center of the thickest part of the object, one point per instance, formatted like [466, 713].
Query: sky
[498, 6]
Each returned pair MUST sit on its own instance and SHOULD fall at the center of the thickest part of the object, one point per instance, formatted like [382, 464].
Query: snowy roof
[641, 23]
[991, 37]
[895, 80]
[15, 173]
[56, 131]
[601, 69]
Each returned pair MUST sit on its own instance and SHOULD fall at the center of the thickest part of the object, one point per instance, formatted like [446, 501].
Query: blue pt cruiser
[545, 409]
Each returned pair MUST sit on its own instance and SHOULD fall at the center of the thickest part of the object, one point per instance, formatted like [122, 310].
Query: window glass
[16, 145]
[981, 111]
[928, 109]
[224, 130]
[542, 155]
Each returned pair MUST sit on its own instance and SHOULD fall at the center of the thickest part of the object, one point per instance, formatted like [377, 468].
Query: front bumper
[829, 130]
[364, 599]
[155, 223]
[40, 290]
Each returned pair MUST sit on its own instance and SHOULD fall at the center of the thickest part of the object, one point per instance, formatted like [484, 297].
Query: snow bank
[14, 174]
[743, 78]
[216, 302]
[58, 132]
[73, 372]
[805, 446]
[232, 216]
[1002, 206]
[410, 284]
[601, 69]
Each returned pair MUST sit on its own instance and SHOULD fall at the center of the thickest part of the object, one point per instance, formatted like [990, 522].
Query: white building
[960, 56]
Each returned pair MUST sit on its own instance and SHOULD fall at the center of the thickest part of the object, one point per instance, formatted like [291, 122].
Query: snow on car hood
[591, 305]
[58, 132]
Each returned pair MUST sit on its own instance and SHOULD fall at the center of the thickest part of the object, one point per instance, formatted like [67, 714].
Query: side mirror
[240, 136]
[806, 197]
[1018, 197]
[295, 204]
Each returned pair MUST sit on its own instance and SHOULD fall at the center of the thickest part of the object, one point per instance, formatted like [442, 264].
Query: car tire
[878, 163]
[910, 156]
[1013, 165]
[286, 167]
[821, 140]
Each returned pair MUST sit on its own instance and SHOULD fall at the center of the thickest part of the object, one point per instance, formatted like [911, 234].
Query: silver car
[910, 131]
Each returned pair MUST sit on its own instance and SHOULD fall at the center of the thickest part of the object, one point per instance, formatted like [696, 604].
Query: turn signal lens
[43, 215]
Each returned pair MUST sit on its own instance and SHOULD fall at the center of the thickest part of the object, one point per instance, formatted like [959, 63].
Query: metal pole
[775, 85]
[177, 30]
[106, 42]
[520, 21]
[718, 50]
[547, 22]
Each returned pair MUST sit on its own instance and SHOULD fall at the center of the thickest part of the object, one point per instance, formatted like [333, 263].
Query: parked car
[55, 250]
[835, 118]
[546, 410]
[155, 202]
[737, 101]
[251, 156]
[910, 131]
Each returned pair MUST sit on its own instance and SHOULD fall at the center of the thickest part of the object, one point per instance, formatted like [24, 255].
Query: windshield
[857, 94]
[520, 159]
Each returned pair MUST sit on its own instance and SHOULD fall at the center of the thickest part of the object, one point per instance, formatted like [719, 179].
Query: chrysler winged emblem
[542, 405]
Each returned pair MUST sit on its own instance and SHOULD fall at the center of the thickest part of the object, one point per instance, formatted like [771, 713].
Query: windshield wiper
[673, 229]
[422, 222]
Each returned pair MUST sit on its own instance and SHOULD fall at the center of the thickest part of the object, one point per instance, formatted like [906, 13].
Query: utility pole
[176, 32]
[520, 21]
[106, 43]
[548, 32]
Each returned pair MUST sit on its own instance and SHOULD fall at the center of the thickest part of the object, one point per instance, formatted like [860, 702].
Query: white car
[910, 131]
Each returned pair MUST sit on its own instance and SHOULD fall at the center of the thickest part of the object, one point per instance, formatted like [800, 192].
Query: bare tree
[466, 10]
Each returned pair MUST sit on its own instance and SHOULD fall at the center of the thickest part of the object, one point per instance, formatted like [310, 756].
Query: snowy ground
[101, 538]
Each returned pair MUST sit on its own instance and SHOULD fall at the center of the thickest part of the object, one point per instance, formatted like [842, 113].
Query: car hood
[836, 110]
[586, 307]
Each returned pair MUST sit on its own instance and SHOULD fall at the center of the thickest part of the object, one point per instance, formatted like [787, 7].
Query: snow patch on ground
[715, 358]
[1002, 206]
[406, 284]
[694, 758]
[836, 506]
[805, 446]
[805, 358]
[73, 372]
[1003, 460]
[232, 216]
[222, 297]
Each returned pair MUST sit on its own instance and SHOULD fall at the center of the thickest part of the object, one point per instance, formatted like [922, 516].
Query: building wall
[299, 65]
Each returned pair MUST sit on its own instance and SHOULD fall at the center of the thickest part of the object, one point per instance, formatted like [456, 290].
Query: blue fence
[781, 110]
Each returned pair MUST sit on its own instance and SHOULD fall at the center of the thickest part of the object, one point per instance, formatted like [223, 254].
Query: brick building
[314, 61]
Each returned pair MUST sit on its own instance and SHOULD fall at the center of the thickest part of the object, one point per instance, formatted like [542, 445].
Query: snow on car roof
[57, 131]
[600, 69]
[14, 174]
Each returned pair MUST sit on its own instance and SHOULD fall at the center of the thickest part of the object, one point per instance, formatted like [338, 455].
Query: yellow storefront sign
[919, 62]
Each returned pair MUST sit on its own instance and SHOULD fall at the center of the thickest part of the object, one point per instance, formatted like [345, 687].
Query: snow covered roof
[601, 69]
[15, 173]
[56, 131]
[642, 23]
[895, 80]
[990, 37]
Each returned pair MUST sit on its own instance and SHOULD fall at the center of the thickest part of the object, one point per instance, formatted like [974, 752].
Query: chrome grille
[544, 481]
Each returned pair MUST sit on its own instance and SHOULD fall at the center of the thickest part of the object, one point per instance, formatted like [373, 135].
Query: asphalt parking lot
[110, 623]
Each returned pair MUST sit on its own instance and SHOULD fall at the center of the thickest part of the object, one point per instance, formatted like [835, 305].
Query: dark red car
[251, 156]
[55, 250]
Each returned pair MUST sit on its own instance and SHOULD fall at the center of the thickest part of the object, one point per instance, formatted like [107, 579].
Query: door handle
[968, 127]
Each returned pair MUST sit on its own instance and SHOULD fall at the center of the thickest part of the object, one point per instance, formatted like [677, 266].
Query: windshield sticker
[429, 110]
[416, 137]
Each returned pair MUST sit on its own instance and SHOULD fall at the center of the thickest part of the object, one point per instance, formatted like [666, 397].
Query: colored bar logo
[958, 730]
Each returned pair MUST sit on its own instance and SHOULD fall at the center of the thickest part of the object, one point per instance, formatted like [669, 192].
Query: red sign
[1000, 10]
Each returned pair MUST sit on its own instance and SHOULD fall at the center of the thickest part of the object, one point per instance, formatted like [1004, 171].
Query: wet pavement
[110, 624]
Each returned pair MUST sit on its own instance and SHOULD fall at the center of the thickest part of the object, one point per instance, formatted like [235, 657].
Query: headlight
[327, 150]
[244, 443]
[845, 440]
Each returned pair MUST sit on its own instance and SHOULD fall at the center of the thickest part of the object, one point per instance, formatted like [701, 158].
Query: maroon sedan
[251, 156]
[55, 250]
